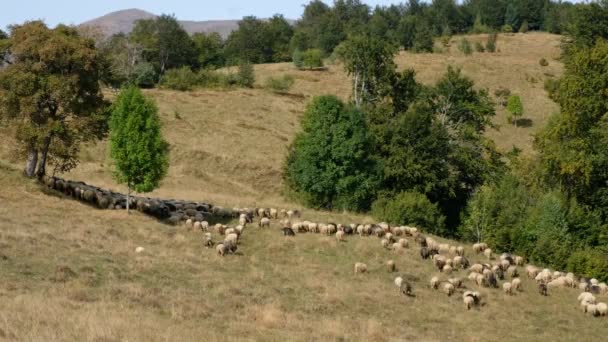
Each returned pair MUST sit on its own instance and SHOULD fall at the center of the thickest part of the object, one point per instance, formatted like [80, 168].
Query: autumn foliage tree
[50, 94]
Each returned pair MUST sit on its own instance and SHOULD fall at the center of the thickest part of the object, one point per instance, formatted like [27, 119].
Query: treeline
[158, 45]
[415, 154]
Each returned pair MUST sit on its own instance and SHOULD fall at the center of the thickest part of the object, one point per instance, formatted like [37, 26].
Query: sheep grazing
[274, 213]
[435, 283]
[360, 267]
[447, 269]
[406, 288]
[479, 247]
[488, 253]
[439, 262]
[519, 261]
[397, 248]
[468, 302]
[425, 253]
[231, 238]
[473, 276]
[507, 288]
[283, 213]
[460, 251]
[516, 284]
[602, 309]
[290, 214]
[139, 250]
[288, 231]
[594, 281]
[457, 262]
[385, 243]
[189, 223]
[476, 268]
[390, 266]
[230, 246]
[242, 221]
[221, 249]
[542, 289]
[448, 289]
[264, 222]
[207, 241]
[453, 250]
[444, 248]
[204, 226]
[532, 271]
[403, 243]
[340, 236]
[504, 264]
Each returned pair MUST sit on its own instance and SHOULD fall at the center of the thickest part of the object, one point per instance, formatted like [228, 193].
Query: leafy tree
[122, 59]
[50, 91]
[249, 43]
[180, 79]
[478, 26]
[370, 63]
[209, 50]
[511, 15]
[515, 108]
[406, 31]
[136, 143]
[279, 33]
[410, 208]
[328, 164]
[145, 75]
[588, 24]
[165, 43]
[312, 58]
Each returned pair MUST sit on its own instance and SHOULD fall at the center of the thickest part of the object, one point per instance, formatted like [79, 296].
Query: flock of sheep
[449, 260]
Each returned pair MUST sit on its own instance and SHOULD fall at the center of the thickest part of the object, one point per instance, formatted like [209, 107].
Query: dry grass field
[69, 272]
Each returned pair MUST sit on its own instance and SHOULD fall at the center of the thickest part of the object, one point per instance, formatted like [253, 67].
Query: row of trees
[156, 45]
[417, 155]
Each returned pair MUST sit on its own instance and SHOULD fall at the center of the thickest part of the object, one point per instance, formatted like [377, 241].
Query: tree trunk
[128, 197]
[32, 159]
[42, 161]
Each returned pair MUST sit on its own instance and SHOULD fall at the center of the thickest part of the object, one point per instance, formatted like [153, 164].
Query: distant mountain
[124, 21]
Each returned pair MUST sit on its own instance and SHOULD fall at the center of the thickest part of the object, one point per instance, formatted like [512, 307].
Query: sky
[78, 11]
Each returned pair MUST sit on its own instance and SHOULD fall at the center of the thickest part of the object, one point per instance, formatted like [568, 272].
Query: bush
[543, 62]
[479, 47]
[502, 95]
[280, 84]
[491, 42]
[145, 75]
[552, 88]
[445, 41]
[515, 108]
[465, 46]
[507, 29]
[589, 263]
[411, 208]
[246, 75]
[298, 59]
[180, 79]
[312, 58]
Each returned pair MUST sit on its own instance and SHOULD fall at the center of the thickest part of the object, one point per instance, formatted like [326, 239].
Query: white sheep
[139, 249]
[457, 282]
[196, 226]
[460, 251]
[504, 264]
[512, 271]
[390, 265]
[204, 226]
[452, 250]
[448, 289]
[398, 282]
[360, 267]
[594, 281]
[274, 213]
[473, 276]
[507, 288]
[340, 235]
[232, 237]
[384, 243]
[404, 243]
[468, 302]
[532, 271]
[488, 253]
[447, 269]
[283, 213]
[444, 248]
[221, 249]
[435, 282]
[264, 222]
[396, 247]
[602, 309]
[476, 268]
[189, 223]
[516, 284]
[519, 261]
[457, 262]
[242, 221]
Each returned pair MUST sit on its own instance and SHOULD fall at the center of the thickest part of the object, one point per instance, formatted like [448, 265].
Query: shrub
[208, 78]
[552, 88]
[465, 46]
[491, 42]
[180, 79]
[246, 75]
[479, 47]
[280, 84]
[298, 59]
[312, 58]
[410, 208]
[543, 62]
[507, 29]
[423, 40]
[145, 75]
[445, 41]
[589, 263]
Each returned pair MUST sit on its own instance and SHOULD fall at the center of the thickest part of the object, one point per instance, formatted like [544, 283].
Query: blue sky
[77, 11]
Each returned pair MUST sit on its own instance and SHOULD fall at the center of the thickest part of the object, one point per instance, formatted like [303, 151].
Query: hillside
[70, 272]
[123, 22]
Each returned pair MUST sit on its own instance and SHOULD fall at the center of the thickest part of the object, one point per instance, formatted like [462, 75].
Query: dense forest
[407, 153]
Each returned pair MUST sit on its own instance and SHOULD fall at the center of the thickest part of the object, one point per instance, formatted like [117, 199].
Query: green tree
[249, 43]
[140, 153]
[50, 91]
[465, 46]
[587, 24]
[122, 58]
[511, 15]
[423, 39]
[165, 43]
[298, 58]
[515, 109]
[312, 58]
[246, 75]
[328, 164]
[209, 48]
[524, 27]
[279, 33]
[491, 42]
[370, 63]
